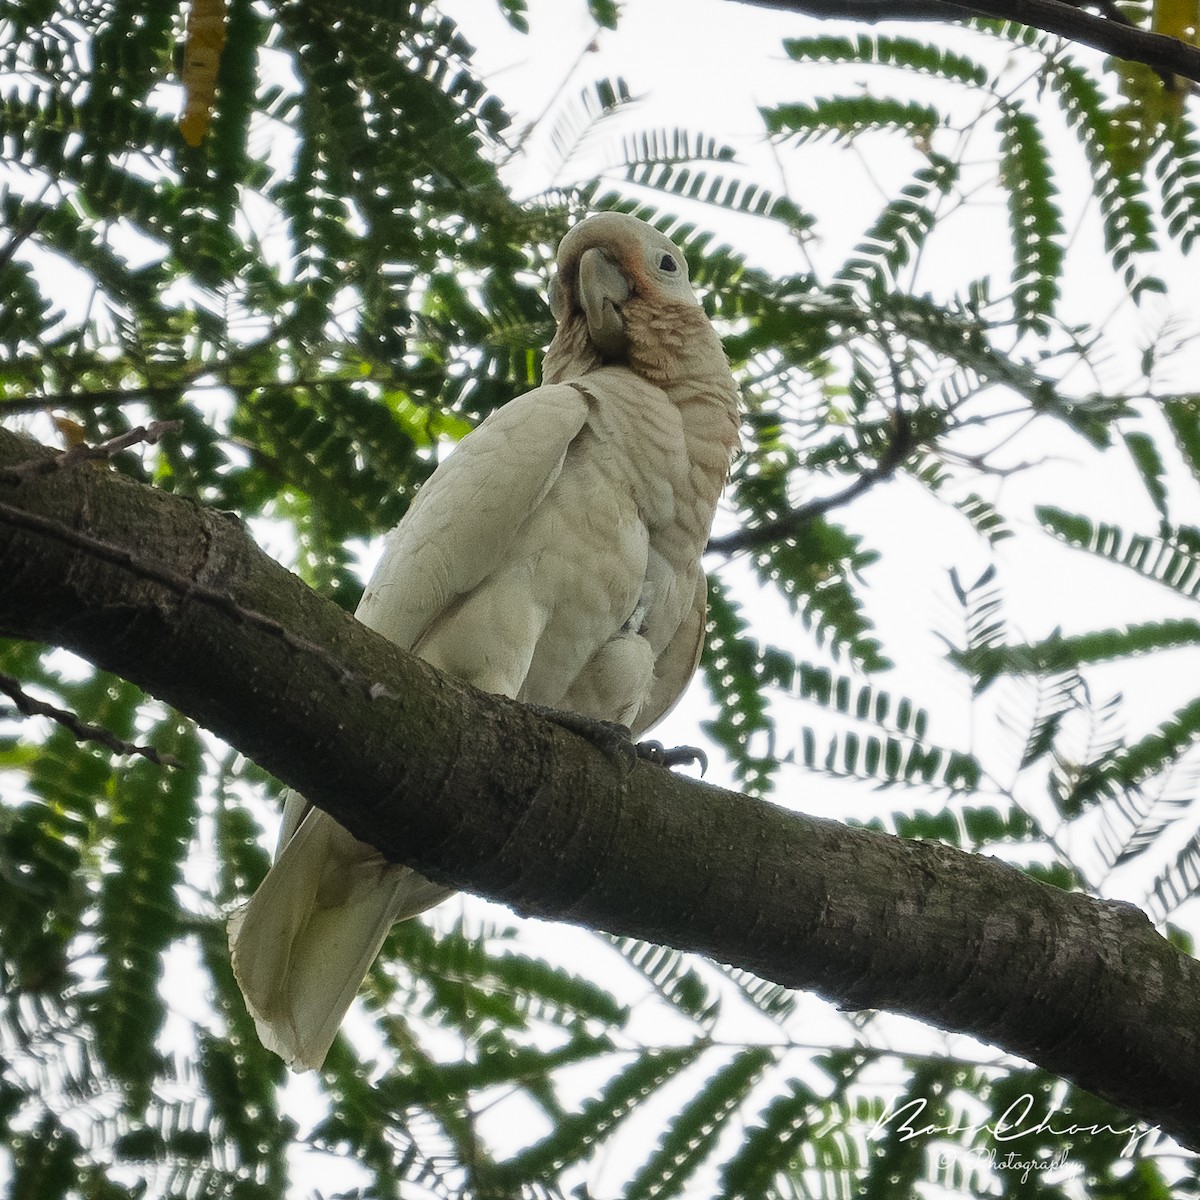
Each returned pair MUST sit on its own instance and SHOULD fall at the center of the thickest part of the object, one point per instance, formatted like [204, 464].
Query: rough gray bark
[480, 793]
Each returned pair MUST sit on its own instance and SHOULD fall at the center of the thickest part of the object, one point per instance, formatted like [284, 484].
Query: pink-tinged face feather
[621, 296]
[652, 264]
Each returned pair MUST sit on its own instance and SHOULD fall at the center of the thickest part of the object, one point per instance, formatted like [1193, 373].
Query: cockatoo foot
[616, 741]
[610, 737]
[676, 756]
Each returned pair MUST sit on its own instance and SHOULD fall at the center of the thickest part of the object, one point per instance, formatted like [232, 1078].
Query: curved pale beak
[602, 290]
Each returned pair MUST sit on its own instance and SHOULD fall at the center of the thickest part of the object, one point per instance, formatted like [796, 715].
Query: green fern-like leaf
[898, 1162]
[44, 1162]
[1149, 463]
[886, 761]
[846, 696]
[1137, 819]
[982, 825]
[225, 147]
[772, 1144]
[673, 977]
[1183, 416]
[1036, 221]
[240, 1075]
[955, 333]
[1173, 562]
[57, 228]
[730, 666]
[984, 518]
[843, 117]
[1129, 766]
[469, 982]
[47, 842]
[906, 53]
[815, 571]
[1125, 215]
[496, 1063]
[1066, 654]
[1176, 883]
[577, 123]
[1178, 171]
[153, 813]
[897, 233]
[660, 147]
[984, 626]
[361, 1120]
[771, 999]
[1056, 695]
[694, 1129]
[310, 436]
[579, 1132]
[729, 193]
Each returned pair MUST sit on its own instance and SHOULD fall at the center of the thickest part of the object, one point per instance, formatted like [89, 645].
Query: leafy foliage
[331, 280]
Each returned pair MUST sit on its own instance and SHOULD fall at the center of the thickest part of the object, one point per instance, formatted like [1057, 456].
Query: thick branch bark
[1167, 55]
[480, 793]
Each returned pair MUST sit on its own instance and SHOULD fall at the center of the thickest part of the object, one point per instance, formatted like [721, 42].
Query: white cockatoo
[553, 558]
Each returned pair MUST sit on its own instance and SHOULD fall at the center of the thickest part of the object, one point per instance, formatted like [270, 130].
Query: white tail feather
[305, 940]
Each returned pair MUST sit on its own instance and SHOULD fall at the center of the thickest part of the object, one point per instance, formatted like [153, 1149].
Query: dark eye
[667, 263]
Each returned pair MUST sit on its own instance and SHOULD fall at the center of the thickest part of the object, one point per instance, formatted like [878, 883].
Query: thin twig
[791, 522]
[76, 400]
[83, 730]
[148, 434]
[26, 231]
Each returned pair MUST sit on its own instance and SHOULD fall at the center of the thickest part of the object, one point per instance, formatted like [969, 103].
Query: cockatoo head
[621, 296]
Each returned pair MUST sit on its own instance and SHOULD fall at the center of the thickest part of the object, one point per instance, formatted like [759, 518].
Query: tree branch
[900, 446]
[80, 729]
[1167, 55]
[150, 434]
[795, 519]
[479, 792]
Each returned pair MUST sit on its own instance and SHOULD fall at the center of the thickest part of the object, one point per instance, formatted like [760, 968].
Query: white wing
[463, 521]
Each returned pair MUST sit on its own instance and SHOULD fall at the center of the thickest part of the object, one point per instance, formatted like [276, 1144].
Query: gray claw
[676, 756]
[615, 740]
